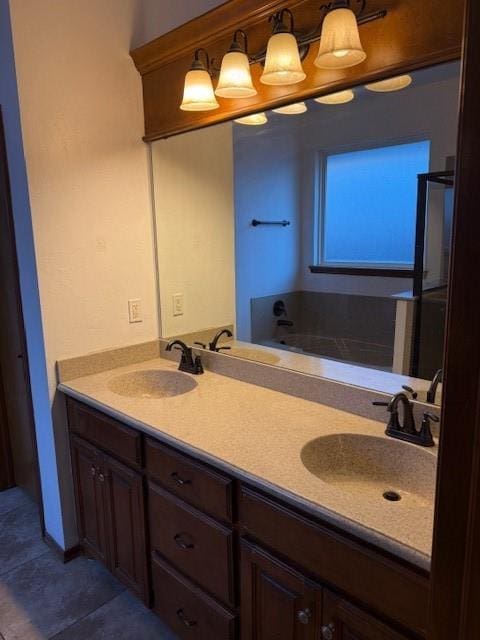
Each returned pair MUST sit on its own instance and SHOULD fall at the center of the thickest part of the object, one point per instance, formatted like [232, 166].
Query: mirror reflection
[317, 236]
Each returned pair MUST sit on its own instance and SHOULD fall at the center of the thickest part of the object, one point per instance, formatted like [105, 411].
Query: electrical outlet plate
[135, 311]
[178, 304]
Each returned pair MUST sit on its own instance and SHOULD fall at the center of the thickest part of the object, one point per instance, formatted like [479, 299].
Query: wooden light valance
[414, 34]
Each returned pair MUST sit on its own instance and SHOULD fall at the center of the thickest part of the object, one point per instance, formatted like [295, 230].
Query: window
[370, 204]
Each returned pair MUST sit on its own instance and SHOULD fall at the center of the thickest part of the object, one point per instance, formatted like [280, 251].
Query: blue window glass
[370, 204]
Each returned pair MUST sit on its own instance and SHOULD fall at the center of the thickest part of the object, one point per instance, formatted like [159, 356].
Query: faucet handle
[413, 393]
[378, 403]
[201, 344]
[426, 438]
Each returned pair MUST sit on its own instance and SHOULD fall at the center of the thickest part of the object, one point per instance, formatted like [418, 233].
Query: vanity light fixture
[391, 84]
[198, 94]
[340, 97]
[255, 119]
[282, 63]
[292, 109]
[235, 77]
[340, 45]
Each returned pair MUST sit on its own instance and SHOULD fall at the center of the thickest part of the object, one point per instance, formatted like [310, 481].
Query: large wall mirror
[318, 234]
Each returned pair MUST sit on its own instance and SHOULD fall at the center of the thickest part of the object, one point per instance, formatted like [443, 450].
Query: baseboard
[65, 554]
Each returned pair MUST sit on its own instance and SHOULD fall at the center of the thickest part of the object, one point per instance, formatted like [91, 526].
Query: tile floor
[41, 598]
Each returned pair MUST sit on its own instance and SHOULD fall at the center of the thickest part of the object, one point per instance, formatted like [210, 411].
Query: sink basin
[254, 354]
[151, 383]
[373, 468]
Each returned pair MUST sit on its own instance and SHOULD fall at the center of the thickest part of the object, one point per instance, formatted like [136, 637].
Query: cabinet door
[89, 483]
[277, 602]
[126, 526]
[343, 621]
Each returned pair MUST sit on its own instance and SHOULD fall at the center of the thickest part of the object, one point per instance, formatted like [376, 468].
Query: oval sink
[371, 467]
[151, 383]
[254, 354]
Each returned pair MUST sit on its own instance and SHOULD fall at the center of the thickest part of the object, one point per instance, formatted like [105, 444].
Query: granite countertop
[257, 435]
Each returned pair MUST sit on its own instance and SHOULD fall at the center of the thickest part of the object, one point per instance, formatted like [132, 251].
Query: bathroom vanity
[228, 528]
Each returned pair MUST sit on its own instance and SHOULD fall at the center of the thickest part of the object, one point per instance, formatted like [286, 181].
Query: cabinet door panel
[126, 519]
[277, 602]
[90, 498]
[343, 621]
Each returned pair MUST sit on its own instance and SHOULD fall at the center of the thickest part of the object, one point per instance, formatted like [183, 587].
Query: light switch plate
[135, 311]
[178, 304]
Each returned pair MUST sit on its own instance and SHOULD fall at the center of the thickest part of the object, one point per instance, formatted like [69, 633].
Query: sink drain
[392, 496]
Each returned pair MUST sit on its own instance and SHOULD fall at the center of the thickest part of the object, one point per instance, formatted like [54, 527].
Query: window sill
[380, 272]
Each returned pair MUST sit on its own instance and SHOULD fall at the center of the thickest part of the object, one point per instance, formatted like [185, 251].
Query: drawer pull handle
[179, 480]
[93, 471]
[181, 543]
[328, 631]
[185, 621]
[304, 616]
[101, 477]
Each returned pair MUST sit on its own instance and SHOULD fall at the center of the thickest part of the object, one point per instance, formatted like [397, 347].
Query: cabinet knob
[101, 477]
[179, 480]
[181, 543]
[328, 631]
[304, 616]
[93, 471]
[185, 620]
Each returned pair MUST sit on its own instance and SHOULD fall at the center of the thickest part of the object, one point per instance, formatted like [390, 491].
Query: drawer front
[196, 484]
[108, 434]
[188, 611]
[390, 588]
[194, 543]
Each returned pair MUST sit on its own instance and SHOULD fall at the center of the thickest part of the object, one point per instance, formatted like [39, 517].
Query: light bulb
[292, 109]
[282, 64]
[340, 45]
[391, 84]
[254, 120]
[340, 97]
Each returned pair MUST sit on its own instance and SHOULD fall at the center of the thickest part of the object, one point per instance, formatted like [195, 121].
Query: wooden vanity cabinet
[277, 603]
[229, 562]
[110, 507]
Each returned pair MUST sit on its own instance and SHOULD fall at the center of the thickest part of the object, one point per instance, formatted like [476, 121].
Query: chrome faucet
[432, 392]
[213, 344]
[188, 363]
[406, 429]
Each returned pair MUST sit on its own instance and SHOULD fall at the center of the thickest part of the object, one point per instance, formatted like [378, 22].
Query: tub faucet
[188, 363]
[407, 431]
[432, 392]
[213, 344]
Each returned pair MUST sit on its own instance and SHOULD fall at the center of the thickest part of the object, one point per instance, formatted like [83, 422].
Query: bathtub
[342, 349]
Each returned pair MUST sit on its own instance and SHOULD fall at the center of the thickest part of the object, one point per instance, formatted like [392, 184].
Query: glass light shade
[235, 78]
[282, 64]
[340, 45]
[340, 97]
[391, 84]
[198, 92]
[254, 120]
[292, 109]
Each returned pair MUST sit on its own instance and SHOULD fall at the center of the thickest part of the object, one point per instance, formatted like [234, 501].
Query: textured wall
[88, 177]
[193, 180]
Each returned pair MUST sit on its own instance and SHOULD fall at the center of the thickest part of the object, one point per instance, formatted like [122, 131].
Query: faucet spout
[432, 392]
[188, 363]
[213, 344]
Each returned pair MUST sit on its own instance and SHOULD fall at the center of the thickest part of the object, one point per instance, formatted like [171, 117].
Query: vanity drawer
[391, 588]
[197, 545]
[108, 434]
[188, 611]
[193, 482]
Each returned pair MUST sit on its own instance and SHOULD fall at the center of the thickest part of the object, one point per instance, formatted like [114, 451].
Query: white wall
[267, 187]
[28, 281]
[193, 182]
